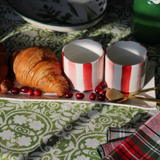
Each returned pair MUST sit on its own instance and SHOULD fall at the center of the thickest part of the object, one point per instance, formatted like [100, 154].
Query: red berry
[30, 92]
[92, 96]
[24, 89]
[102, 92]
[103, 84]
[101, 97]
[98, 89]
[15, 90]
[37, 92]
[68, 94]
[79, 95]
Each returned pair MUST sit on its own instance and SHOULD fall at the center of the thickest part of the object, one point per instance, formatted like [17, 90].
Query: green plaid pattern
[142, 144]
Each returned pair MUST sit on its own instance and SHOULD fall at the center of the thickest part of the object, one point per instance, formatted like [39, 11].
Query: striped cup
[83, 64]
[125, 66]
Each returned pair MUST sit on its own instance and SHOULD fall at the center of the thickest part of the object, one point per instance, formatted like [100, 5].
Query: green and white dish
[61, 15]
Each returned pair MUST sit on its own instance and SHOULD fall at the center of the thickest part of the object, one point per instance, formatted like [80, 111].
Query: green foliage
[72, 9]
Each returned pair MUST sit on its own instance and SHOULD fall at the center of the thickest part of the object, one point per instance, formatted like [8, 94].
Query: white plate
[150, 82]
[60, 15]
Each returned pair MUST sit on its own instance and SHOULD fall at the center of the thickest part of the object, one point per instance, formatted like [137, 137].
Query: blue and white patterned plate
[61, 15]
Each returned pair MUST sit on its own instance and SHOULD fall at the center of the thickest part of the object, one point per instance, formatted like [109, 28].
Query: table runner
[65, 130]
[143, 144]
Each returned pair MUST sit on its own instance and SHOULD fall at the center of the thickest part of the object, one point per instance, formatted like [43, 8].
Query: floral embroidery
[92, 143]
[7, 134]
[36, 125]
[19, 119]
[81, 157]
[24, 141]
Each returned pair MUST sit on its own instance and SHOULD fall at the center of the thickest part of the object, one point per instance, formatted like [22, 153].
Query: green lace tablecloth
[52, 130]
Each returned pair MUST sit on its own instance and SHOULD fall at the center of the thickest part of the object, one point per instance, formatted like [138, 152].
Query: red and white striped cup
[83, 64]
[125, 66]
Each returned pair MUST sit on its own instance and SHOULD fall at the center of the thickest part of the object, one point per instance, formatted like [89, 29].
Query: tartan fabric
[142, 144]
[114, 136]
[104, 149]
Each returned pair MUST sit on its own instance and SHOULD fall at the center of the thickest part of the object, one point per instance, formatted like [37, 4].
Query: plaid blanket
[141, 144]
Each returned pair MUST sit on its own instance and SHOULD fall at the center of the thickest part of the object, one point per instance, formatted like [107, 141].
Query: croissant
[6, 85]
[38, 67]
[5, 82]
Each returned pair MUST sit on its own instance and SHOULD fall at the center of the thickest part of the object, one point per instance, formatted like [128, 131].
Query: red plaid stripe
[143, 144]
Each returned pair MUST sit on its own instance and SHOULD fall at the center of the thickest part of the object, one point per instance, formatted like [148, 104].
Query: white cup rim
[93, 46]
[111, 54]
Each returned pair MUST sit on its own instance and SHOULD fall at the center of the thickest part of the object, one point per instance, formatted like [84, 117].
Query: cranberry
[24, 89]
[103, 84]
[101, 97]
[37, 92]
[15, 90]
[92, 96]
[68, 94]
[30, 92]
[102, 92]
[79, 95]
[98, 89]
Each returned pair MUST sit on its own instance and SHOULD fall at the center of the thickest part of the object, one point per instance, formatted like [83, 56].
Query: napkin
[114, 136]
[141, 144]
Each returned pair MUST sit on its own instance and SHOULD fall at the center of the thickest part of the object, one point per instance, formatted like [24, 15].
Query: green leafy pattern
[90, 13]
[72, 9]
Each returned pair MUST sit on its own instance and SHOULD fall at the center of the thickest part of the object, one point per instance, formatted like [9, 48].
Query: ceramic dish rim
[61, 25]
